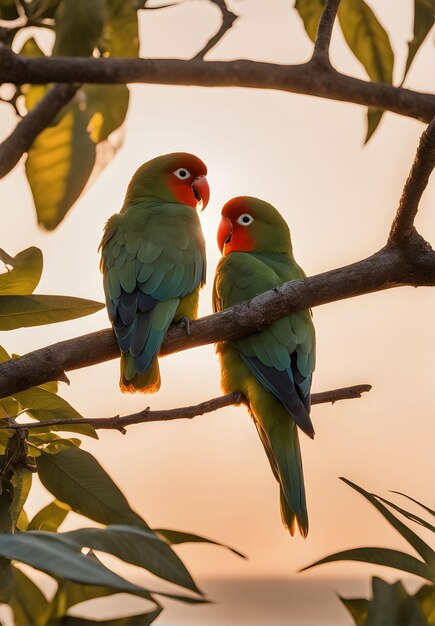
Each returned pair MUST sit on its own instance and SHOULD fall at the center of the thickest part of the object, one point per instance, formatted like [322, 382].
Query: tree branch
[409, 261]
[228, 19]
[424, 162]
[308, 78]
[26, 131]
[187, 412]
[324, 32]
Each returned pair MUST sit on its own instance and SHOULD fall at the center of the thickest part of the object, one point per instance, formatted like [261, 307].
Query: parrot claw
[185, 321]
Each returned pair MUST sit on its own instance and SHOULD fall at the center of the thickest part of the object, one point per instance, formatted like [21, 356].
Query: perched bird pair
[153, 262]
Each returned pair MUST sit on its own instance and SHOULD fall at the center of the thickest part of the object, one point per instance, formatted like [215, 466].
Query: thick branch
[186, 412]
[308, 78]
[26, 131]
[228, 19]
[424, 163]
[385, 269]
[324, 31]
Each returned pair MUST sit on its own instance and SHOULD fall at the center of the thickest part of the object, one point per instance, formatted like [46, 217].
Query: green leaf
[374, 117]
[6, 497]
[50, 554]
[50, 517]
[138, 546]
[26, 272]
[8, 10]
[391, 604]
[42, 8]
[6, 581]
[59, 164]
[310, 12]
[120, 37]
[423, 506]
[75, 477]
[133, 620]
[28, 603]
[22, 482]
[424, 14]
[357, 607]
[367, 39]
[425, 597]
[107, 106]
[78, 27]
[22, 521]
[414, 540]
[381, 556]
[44, 405]
[174, 537]
[370, 43]
[32, 310]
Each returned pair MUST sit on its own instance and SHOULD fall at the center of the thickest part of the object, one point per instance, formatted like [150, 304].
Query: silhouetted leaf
[408, 514]
[50, 517]
[133, 620]
[44, 405]
[6, 497]
[414, 540]
[35, 310]
[138, 546]
[381, 556]
[8, 10]
[175, 537]
[424, 14]
[391, 604]
[425, 597]
[78, 26]
[423, 506]
[75, 477]
[28, 603]
[357, 607]
[6, 581]
[49, 553]
[25, 274]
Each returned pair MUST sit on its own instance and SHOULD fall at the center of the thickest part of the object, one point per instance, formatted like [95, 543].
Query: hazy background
[210, 475]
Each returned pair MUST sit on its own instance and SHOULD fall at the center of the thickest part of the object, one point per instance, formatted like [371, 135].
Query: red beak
[224, 231]
[201, 190]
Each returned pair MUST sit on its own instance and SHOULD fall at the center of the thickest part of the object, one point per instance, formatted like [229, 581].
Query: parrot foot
[185, 321]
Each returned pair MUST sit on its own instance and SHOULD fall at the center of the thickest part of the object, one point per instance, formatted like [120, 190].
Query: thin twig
[186, 412]
[26, 131]
[324, 32]
[307, 78]
[424, 162]
[228, 19]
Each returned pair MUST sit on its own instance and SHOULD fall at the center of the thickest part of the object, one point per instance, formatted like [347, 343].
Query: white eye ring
[182, 173]
[245, 219]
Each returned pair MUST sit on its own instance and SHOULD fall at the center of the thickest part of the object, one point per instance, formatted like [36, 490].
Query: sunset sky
[305, 156]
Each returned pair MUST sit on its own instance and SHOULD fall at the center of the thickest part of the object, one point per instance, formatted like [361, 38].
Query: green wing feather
[153, 257]
[273, 368]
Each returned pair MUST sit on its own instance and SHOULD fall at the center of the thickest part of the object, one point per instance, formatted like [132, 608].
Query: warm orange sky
[305, 156]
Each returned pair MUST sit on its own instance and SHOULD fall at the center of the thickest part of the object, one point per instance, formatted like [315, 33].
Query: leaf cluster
[77, 482]
[391, 603]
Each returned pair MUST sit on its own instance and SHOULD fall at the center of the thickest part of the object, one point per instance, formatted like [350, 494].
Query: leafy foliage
[391, 603]
[368, 40]
[78, 483]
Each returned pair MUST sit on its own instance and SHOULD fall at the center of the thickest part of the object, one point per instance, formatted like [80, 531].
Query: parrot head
[252, 225]
[177, 177]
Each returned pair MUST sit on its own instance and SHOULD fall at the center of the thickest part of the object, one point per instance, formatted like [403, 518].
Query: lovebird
[153, 262]
[272, 368]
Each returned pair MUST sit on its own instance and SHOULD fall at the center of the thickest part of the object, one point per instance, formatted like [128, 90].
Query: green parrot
[272, 368]
[153, 262]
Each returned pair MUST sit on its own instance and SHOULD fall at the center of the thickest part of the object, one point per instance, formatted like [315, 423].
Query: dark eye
[245, 219]
[182, 173]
